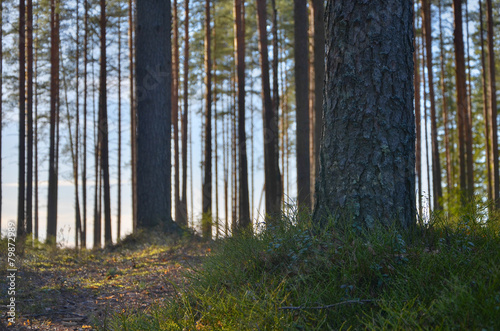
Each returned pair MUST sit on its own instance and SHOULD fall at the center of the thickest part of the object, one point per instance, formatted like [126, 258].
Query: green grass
[445, 275]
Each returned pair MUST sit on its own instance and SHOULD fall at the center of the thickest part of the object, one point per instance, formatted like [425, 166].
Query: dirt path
[68, 290]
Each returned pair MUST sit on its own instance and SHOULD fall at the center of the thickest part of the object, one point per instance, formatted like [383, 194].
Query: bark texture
[153, 86]
[367, 169]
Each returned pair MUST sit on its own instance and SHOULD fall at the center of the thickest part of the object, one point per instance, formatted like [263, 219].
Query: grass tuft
[445, 275]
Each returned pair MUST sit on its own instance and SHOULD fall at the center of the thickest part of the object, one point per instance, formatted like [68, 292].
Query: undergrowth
[443, 275]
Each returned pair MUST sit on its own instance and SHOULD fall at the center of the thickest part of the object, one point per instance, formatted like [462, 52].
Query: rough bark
[153, 83]
[272, 175]
[1, 106]
[84, 143]
[302, 103]
[119, 184]
[244, 201]
[367, 170]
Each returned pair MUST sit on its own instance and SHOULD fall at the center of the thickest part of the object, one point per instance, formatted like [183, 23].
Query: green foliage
[292, 276]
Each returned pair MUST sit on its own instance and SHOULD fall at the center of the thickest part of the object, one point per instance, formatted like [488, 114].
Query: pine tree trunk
[85, 94]
[272, 175]
[493, 108]
[119, 184]
[154, 106]
[184, 129]
[418, 142]
[54, 118]
[436, 167]
[244, 203]
[29, 114]
[1, 107]
[175, 113]
[318, 7]
[444, 96]
[206, 223]
[301, 96]
[133, 113]
[486, 112]
[21, 221]
[464, 141]
[367, 171]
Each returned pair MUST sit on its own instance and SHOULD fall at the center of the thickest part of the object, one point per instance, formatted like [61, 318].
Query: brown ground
[69, 290]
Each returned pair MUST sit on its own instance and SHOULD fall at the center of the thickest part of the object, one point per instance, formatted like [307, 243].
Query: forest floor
[66, 289]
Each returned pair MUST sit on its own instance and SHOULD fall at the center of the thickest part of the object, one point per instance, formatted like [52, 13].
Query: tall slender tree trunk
[29, 115]
[133, 113]
[465, 149]
[78, 230]
[207, 178]
[103, 128]
[271, 131]
[436, 166]
[301, 96]
[119, 184]
[54, 119]
[97, 174]
[85, 95]
[367, 171]
[486, 112]
[244, 202]
[175, 112]
[21, 220]
[418, 141]
[426, 134]
[184, 123]
[444, 96]
[35, 78]
[318, 7]
[493, 108]
[1, 107]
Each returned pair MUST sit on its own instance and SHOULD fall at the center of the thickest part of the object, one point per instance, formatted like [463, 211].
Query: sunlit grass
[445, 275]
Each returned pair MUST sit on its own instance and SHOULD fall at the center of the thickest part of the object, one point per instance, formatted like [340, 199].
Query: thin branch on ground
[330, 306]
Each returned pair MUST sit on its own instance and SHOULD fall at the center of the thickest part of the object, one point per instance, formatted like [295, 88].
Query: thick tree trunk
[207, 178]
[244, 202]
[153, 83]
[302, 104]
[271, 132]
[436, 166]
[367, 171]
[493, 108]
[54, 118]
